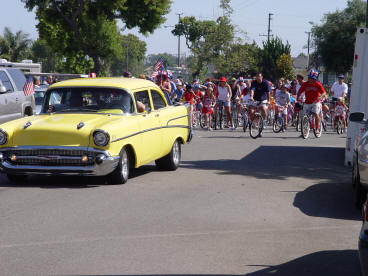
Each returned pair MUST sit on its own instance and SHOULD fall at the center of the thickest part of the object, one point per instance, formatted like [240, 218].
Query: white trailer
[359, 92]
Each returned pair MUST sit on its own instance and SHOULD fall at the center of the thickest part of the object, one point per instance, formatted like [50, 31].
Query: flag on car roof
[28, 88]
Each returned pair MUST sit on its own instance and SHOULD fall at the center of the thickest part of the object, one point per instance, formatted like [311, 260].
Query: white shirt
[223, 93]
[282, 98]
[338, 89]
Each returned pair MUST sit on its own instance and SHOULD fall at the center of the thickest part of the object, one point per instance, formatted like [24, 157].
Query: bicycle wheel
[305, 127]
[245, 122]
[320, 129]
[340, 127]
[203, 120]
[278, 124]
[256, 126]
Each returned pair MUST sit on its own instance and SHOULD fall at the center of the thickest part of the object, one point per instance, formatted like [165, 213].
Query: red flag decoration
[28, 88]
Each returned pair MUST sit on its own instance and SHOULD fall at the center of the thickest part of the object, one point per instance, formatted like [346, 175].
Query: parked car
[363, 242]
[13, 103]
[101, 127]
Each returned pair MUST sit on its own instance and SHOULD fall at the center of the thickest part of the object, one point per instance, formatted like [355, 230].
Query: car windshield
[39, 95]
[104, 100]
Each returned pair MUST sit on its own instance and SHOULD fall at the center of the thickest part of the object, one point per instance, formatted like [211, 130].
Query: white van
[359, 93]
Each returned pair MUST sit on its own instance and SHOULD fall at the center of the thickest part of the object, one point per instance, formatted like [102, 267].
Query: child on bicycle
[340, 111]
[208, 101]
[282, 102]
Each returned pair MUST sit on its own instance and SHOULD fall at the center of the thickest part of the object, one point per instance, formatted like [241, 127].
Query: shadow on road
[330, 197]
[323, 263]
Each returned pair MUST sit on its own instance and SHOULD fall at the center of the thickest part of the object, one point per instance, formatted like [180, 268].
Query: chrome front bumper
[106, 164]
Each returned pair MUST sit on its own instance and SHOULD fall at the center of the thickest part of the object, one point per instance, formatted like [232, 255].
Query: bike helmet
[127, 74]
[313, 74]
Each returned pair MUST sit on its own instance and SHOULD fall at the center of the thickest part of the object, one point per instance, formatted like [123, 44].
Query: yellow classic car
[101, 127]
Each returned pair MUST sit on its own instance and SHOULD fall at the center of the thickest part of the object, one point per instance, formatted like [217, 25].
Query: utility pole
[269, 26]
[309, 34]
[179, 14]
[269, 31]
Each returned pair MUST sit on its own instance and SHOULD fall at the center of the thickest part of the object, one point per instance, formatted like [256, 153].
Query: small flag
[159, 66]
[28, 88]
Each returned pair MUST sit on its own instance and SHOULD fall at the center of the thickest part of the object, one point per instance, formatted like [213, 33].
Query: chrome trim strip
[51, 157]
[176, 118]
[147, 130]
[56, 148]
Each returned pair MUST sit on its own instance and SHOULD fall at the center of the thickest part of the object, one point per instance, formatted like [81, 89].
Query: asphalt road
[278, 205]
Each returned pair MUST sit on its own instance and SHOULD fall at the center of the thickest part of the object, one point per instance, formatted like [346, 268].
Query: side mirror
[356, 117]
[3, 89]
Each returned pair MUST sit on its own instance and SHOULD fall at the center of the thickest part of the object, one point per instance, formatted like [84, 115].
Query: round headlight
[3, 137]
[101, 138]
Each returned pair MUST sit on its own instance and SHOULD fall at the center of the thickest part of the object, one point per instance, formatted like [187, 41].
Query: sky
[290, 20]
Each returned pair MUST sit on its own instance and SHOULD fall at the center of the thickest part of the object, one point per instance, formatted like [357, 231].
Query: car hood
[59, 129]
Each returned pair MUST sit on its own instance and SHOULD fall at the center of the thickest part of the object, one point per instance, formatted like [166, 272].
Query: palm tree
[14, 47]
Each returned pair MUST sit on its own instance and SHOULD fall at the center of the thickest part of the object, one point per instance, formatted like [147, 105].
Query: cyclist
[208, 101]
[260, 92]
[282, 100]
[339, 89]
[314, 91]
[340, 111]
[223, 99]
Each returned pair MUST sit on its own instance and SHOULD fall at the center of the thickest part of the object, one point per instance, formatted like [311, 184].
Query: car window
[158, 101]
[84, 99]
[18, 78]
[142, 101]
[6, 82]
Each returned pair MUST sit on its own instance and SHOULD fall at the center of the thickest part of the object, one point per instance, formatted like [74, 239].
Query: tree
[88, 28]
[334, 38]
[239, 60]
[136, 50]
[14, 47]
[207, 39]
[42, 53]
[284, 67]
[270, 54]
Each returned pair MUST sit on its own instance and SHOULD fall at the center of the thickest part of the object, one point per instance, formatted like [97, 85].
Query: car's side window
[142, 101]
[158, 101]
[6, 82]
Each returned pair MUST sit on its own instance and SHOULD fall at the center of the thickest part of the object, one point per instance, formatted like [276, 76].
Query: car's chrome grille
[50, 157]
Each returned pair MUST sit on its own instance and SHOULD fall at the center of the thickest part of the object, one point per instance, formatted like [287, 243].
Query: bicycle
[220, 117]
[308, 123]
[278, 123]
[205, 117]
[244, 119]
[234, 115]
[256, 123]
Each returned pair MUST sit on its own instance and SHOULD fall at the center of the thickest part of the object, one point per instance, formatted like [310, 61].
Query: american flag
[28, 88]
[159, 66]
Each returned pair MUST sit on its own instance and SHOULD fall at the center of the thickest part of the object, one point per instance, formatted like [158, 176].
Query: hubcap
[176, 153]
[124, 164]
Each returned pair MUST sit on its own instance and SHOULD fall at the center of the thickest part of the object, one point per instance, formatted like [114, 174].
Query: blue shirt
[260, 90]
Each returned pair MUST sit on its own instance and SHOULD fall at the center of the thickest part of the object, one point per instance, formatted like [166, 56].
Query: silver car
[13, 103]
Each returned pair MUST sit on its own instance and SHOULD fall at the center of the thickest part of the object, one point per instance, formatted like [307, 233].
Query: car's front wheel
[121, 174]
[171, 161]
[15, 178]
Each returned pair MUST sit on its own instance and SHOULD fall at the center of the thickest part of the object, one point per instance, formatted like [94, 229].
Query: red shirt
[188, 96]
[312, 91]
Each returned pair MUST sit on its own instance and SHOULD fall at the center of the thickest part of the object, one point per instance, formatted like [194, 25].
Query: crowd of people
[286, 98]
